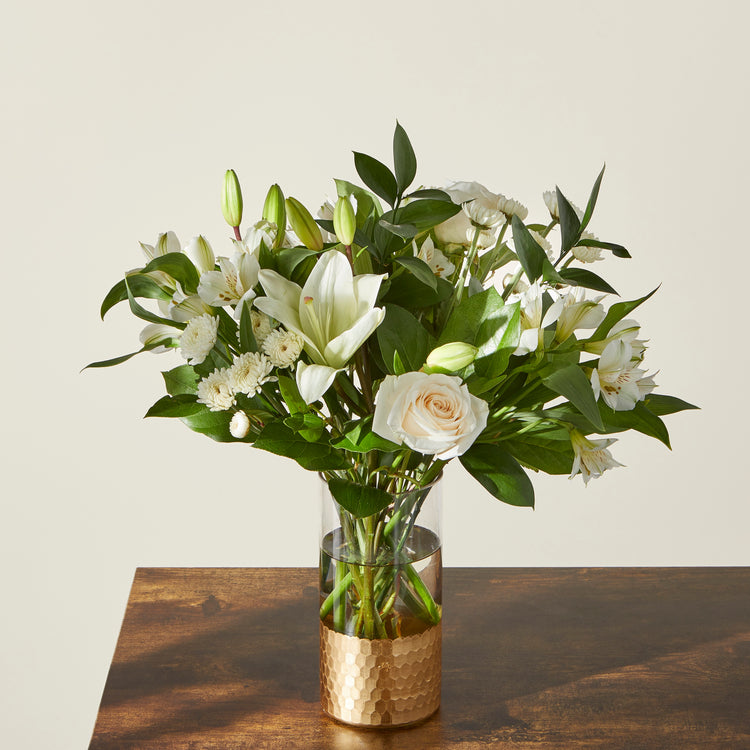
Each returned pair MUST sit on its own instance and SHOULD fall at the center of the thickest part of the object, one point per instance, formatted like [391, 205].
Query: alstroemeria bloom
[592, 458]
[621, 384]
[334, 313]
[534, 320]
[625, 330]
[233, 284]
[578, 312]
[434, 258]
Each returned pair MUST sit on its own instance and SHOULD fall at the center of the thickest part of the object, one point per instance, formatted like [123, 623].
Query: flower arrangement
[397, 331]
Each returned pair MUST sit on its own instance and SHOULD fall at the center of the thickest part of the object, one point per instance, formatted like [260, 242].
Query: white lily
[334, 313]
[233, 284]
[261, 231]
[434, 258]
[620, 384]
[534, 320]
[166, 242]
[592, 458]
[201, 254]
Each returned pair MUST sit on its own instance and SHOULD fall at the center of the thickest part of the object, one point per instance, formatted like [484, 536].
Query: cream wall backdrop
[118, 121]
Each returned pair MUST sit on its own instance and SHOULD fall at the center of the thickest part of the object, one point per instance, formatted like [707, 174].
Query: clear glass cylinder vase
[381, 609]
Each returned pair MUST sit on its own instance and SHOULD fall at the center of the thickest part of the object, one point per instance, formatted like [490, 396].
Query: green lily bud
[303, 225]
[231, 199]
[344, 221]
[274, 211]
[450, 357]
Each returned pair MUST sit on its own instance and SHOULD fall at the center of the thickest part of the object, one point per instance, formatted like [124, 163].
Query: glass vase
[380, 613]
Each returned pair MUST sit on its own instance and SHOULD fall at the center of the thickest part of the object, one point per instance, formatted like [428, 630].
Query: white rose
[433, 414]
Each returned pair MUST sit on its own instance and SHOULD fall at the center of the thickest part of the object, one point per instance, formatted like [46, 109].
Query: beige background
[117, 123]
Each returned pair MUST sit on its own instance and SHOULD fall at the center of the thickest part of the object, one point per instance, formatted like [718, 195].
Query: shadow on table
[258, 671]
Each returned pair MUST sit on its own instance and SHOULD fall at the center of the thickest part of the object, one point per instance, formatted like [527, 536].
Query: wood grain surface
[559, 658]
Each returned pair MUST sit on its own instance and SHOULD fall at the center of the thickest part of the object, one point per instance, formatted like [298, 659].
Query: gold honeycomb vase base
[380, 683]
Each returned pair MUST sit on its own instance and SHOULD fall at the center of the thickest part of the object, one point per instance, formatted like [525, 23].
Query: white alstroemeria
[215, 391]
[511, 207]
[484, 212]
[199, 338]
[592, 458]
[550, 200]
[283, 347]
[624, 330]
[233, 284]
[158, 333]
[620, 384]
[534, 320]
[434, 258]
[578, 312]
[334, 313]
[201, 254]
[166, 242]
[587, 254]
[182, 307]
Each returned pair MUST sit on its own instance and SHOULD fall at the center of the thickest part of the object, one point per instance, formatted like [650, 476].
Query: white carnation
[199, 338]
[511, 207]
[544, 243]
[215, 391]
[550, 200]
[248, 373]
[587, 254]
[240, 425]
[262, 325]
[283, 347]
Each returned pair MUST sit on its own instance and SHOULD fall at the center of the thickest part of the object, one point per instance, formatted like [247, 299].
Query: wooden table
[632, 658]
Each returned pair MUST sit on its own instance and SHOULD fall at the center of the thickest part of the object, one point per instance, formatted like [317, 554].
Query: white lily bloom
[620, 384]
[550, 200]
[592, 458]
[434, 258]
[166, 242]
[261, 231]
[534, 320]
[182, 307]
[578, 312]
[199, 338]
[158, 333]
[233, 284]
[334, 313]
[215, 391]
[326, 212]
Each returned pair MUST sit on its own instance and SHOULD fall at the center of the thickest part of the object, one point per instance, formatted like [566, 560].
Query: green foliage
[360, 500]
[277, 438]
[181, 380]
[404, 160]
[402, 334]
[499, 473]
[571, 383]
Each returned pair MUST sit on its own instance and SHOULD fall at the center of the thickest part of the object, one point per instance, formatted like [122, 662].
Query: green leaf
[589, 212]
[290, 393]
[404, 160]
[616, 313]
[439, 195]
[401, 333]
[247, 337]
[425, 214]
[499, 473]
[214, 424]
[542, 454]
[140, 286]
[530, 253]
[144, 314]
[376, 176]
[360, 438]
[119, 360]
[310, 426]
[367, 202]
[181, 380]
[182, 405]
[571, 383]
[361, 501]
[277, 438]
[405, 231]
[407, 291]
[418, 268]
[618, 250]
[585, 278]
[179, 267]
[639, 419]
[570, 226]
[288, 259]
[266, 258]
[663, 405]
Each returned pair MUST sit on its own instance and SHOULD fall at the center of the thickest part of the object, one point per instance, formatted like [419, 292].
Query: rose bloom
[433, 414]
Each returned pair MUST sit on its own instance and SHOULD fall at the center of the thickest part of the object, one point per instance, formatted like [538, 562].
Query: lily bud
[303, 225]
[450, 357]
[274, 211]
[200, 252]
[344, 221]
[231, 199]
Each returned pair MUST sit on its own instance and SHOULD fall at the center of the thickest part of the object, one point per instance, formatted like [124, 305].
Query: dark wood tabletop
[632, 658]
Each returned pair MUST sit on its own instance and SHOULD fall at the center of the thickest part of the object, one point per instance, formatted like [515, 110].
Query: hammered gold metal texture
[380, 683]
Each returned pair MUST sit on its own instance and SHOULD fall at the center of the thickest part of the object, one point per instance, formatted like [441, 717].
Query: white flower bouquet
[397, 331]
